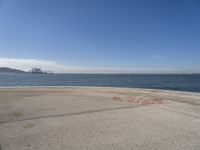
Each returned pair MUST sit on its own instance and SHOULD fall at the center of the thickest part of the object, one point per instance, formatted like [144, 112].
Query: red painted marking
[116, 98]
[140, 100]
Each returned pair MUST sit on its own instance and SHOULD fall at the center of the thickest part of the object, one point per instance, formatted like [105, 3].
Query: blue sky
[101, 36]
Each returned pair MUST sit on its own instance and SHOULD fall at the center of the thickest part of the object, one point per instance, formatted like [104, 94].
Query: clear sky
[102, 36]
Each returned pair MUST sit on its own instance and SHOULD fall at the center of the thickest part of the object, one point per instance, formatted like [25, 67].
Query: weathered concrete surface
[98, 118]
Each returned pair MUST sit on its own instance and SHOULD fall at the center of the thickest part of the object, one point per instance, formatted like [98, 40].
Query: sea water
[180, 82]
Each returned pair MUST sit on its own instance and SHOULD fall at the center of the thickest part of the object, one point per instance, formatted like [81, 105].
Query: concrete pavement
[90, 118]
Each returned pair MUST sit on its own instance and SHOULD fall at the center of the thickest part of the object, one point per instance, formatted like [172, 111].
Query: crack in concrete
[182, 113]
[69, 114]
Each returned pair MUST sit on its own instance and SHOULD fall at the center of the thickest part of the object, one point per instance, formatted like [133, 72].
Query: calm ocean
[168, 82]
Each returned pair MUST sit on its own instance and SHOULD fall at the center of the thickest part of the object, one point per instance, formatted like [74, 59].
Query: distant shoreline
[106, 73]
[32, 71]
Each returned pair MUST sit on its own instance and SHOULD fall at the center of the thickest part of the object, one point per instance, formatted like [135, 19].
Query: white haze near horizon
[27, 64]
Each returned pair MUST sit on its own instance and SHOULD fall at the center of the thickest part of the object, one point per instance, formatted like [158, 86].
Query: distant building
[36, 71]
[40, 71]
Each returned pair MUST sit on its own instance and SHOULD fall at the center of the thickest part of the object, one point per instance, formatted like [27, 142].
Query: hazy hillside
[10, 70]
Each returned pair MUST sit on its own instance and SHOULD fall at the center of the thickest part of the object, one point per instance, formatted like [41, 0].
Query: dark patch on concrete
[29, 125]
[17, 114]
